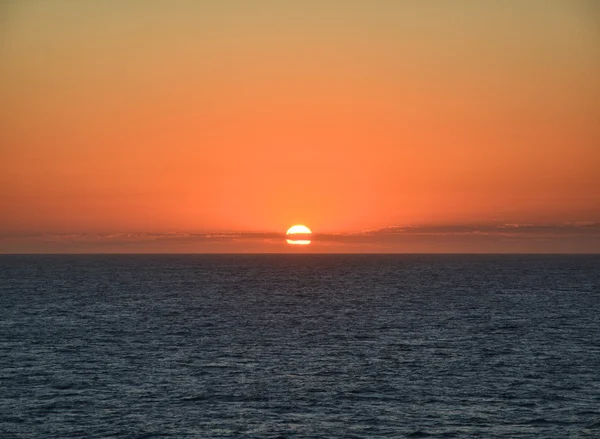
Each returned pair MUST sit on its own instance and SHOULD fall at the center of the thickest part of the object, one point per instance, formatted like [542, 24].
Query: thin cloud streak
[424, 238]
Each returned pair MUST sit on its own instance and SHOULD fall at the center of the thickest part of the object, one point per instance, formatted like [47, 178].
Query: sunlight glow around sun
[297, 235]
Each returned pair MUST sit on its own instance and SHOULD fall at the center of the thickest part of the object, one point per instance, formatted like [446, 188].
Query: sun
[298, 235]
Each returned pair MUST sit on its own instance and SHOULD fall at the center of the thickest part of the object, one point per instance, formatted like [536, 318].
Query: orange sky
[196, 117]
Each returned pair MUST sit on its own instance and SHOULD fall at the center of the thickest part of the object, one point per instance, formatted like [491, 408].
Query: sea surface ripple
[299, 346]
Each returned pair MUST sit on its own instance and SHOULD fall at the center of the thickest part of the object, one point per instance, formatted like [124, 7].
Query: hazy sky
[151, 120]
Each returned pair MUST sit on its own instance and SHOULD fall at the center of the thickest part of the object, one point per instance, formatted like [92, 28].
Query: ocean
[299, 346]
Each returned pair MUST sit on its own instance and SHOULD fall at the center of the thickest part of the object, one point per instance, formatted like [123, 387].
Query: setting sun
[296, 232]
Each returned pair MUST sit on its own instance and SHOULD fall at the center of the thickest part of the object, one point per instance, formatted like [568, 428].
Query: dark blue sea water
[299, 346]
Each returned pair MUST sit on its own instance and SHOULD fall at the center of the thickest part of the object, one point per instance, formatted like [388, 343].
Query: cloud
[429, 238]
[499, 230]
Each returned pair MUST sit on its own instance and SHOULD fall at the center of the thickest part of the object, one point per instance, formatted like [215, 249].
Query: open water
[299, 346]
